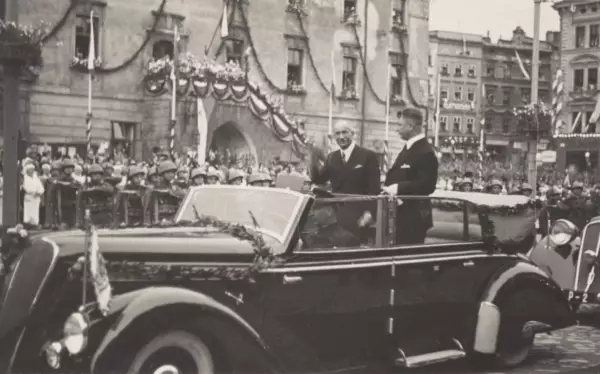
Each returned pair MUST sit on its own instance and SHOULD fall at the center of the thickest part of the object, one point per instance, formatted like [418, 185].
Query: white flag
[224, 23]
[92, 47]
[522, 66]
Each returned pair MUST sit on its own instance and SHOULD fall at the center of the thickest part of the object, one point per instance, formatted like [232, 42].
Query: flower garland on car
[263, 257]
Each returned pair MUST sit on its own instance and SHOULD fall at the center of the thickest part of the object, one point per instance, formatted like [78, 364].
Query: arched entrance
[230, 139]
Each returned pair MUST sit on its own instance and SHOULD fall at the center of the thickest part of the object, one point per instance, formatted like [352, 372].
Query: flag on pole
[92, 47]
[575, 122]
[595, 115]
[332, 86]
[224, 22]
[522, 66]
[174, 82]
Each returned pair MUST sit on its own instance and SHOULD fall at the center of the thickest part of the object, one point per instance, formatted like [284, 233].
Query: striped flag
[595, 115]
[522, 66]
[91, 66]
[576, 122]
[224, 22]
[557, 98]
[387, 157]
[481, 152]
[175, 84]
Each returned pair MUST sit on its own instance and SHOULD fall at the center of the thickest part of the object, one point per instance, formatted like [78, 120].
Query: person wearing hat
[351, 169]
[135, 179]
[414, 172]
[467, 185]
[212, 176]
[527, 190]
[95, 180]
[260, 180]
[152, 178]
[580, 207]
[33, 190]
[69, 187]
[181, 179]
[235, 177]
[68, 167]
[495, 187]
[554, 209]
[56, 169]
[515, 190]
[197, 177]
[167, 171]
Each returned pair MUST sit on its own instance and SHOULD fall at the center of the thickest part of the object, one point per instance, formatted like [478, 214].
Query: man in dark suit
[351, 169]
[414, 172]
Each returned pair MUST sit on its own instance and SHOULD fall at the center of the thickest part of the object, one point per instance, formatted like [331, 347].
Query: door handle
[291, 279]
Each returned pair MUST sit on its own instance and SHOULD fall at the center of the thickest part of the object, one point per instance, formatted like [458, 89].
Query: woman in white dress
[33, 190]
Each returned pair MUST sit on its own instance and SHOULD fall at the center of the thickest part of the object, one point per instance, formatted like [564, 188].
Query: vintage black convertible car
[264, 280]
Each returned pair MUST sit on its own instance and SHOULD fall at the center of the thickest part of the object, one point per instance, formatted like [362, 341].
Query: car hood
[172, 240]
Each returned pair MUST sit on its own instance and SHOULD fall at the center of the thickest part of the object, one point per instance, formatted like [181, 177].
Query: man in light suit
[414, 172]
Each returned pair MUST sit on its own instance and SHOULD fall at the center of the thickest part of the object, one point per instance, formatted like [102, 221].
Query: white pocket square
[358, 166]
[405, 166]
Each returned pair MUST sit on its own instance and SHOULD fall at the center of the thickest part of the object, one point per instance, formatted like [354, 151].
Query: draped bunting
[222, 87]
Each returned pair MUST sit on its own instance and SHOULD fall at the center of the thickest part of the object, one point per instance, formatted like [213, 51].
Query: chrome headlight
[563, 232]
[75, 333]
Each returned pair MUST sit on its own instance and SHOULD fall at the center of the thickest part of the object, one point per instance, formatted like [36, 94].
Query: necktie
[344, 158]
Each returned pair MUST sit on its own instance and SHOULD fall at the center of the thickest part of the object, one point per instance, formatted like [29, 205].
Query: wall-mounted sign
[458, 106]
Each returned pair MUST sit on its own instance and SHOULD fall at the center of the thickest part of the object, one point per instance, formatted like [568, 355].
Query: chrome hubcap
[166, 369]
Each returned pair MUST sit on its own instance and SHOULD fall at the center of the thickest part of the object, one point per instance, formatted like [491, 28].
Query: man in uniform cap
[96, 179]
[198, 176]
[351, 170]
[153, 179]
[167, 170]
[527, 190]
[181, 179]
[415, 172]
[495, 187]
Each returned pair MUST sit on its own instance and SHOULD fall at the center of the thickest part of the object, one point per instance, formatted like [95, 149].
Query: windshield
[274, 209]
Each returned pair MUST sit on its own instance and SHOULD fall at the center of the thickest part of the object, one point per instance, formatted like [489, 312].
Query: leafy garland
[310, 55]
[364, 65]
[264, 257]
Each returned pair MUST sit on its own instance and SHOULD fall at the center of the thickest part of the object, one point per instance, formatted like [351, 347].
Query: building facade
[288, 45]
[507, 84]
[578, 140]
[456, 61]
[481, 83]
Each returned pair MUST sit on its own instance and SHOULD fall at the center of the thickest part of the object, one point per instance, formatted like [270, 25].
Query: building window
[456, 124]
[349, 8]
[470, 125]
[488, 123]
[444, 70]
[489, 70]
[349, 74]
[294, 68]
[458, 93]
[234, 50]
[161, 49]
[594, 36]
[580, 37]
[430, 60]
[543, 96]
[83, 34]
[458, 72]
[396, 81]
[444, 93]
[123, 139]
[525, 95]
[491, 95]
[471, 94]
[578, 79]
[592, 78]
[499, 73]
[443, 124]
[506, 125]
[506, 92]
[471, 72]
[398, 17]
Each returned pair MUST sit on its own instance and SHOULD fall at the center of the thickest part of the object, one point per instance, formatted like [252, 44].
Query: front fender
[544, 298]
[195, 307]
[538, 297]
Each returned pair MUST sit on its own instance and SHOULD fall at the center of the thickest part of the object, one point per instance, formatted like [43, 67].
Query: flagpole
[438, 98]
[91, 65]
[174, 82]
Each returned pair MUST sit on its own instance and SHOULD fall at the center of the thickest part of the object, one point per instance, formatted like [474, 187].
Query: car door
[326, 313]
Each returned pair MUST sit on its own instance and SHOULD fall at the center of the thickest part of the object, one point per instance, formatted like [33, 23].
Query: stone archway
[229, 136]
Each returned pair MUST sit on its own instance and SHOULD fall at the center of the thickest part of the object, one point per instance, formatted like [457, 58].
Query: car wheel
[173, 352]
[513, 345]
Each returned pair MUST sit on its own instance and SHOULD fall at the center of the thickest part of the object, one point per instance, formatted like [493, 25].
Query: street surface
[573, 350]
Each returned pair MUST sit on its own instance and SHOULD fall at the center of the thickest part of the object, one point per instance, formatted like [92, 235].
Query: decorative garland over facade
[201, 78]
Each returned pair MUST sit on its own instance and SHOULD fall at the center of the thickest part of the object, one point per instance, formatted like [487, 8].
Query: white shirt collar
[348, 151]
[410, 142]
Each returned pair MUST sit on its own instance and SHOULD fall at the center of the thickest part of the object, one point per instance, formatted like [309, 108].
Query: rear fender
[176, 307]
[540, 299]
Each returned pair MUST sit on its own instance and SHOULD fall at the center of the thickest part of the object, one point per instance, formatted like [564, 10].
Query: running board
[430, 358]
